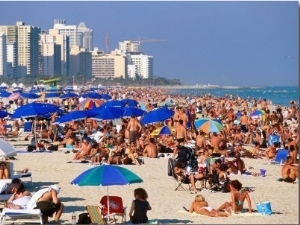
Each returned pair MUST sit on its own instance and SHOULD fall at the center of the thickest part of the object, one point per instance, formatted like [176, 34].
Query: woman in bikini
[237, 199]
[200, 206]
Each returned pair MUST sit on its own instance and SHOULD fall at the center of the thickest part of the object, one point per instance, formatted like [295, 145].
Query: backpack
[84, 218]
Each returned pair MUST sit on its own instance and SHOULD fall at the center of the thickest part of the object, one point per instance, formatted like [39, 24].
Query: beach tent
[6, 149]
[14, 85]
[21, 85]
[4, 85]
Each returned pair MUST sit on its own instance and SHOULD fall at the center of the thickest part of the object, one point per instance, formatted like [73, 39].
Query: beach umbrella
[256, 113]
[164, 130]
[69, 95]
[208, 125]
[113, 103]
[74, 116]
[130, 102]
[93, 95]
[131, 111]
[105, 96]
[157, 115]
[4, 94]
[6, 149]
[4, 114]
[29, 95]
[14, 96]
[34, 110]
[106, 175]
[89, 104]
[52, 94]
[107, 113]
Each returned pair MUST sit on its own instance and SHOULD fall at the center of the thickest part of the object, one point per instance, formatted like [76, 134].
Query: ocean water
[278, 95]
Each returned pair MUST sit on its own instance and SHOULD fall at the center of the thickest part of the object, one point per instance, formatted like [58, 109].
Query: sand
[52, 168]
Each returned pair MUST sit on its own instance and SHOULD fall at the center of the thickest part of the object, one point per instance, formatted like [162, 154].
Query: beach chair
[116, 207]
[16, 174]
[95, 214]
[179, 184]
[281, 156]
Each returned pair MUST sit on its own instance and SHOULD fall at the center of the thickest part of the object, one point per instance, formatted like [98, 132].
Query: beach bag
[84, 218]
[264, 208]
[30, 148]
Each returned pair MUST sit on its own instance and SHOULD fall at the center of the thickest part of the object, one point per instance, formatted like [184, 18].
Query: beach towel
[233, 214]
[25, 151]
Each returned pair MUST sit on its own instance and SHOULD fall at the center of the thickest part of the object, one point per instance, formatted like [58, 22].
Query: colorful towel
[25, 151]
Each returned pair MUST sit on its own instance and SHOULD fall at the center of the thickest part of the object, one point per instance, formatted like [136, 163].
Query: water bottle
[281, 162]
[73, 218]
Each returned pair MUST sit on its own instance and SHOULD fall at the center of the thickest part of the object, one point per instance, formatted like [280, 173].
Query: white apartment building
[108, 65]
[143, 65]
[87, 39]
[129, 47]
[3, 56]
[81, 63]
[28, 48]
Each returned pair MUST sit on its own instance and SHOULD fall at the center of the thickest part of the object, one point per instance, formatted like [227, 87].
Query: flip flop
[193, 192]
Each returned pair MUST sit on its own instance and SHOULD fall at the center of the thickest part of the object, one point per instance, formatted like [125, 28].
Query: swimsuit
[69, 146]
[47, 208]
[209, 209]
[288, 179]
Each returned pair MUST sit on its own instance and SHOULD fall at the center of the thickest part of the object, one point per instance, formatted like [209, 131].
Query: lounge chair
[95, 214]
[179, 184]
[9, 216]
[281, 156]
[16, 174]
[116, 207]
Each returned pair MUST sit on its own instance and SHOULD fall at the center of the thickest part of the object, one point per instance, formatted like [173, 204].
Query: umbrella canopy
[69, 95]
[208, 125]
[164, 130]
[74, 116]
[157, 115]
[256, 113]
[14, 96]
[4, 114]
[52, 94]
[6, 149]
[105, 96]
[89, 104]
[130, 111]
[130, 102]
[107, 113]
[93, 95]
[113, 103]
[34, 109]
[29, 95]
[4, 94]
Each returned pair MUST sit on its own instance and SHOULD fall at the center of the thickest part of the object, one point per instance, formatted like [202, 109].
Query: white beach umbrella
[6, 149]
[14, 85]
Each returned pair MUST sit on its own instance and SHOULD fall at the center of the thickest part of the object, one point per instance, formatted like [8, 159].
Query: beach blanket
[25, 151]
[233, 214]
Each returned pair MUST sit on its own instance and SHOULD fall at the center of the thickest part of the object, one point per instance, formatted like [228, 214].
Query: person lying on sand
[200, 206]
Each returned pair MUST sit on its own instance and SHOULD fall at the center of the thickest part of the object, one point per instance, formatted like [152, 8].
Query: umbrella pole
[107, 201]
[35, 136]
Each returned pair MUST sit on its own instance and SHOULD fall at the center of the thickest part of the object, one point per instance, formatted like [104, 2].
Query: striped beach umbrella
[208, 125]
[89, 104]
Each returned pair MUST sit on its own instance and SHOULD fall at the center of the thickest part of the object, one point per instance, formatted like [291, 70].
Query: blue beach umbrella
[106, 175]
[29, 95]
[74, 116]
[4, 114]
[131, 111]
[157, 115]
[107, 113]
[105, 96]
[69, 95]
[52, 94]
[94, 95]
[130, 102]
[4, 94]
[113, 103]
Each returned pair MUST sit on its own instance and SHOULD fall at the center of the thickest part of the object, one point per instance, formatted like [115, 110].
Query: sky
[207, 42]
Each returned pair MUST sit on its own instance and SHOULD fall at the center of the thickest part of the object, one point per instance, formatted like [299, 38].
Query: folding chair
[116, 207]
[95, 214]
[178, 182]
[281, 156]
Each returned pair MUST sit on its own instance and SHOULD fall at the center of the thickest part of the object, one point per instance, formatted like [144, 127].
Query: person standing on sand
[180, 131]
[134, 128]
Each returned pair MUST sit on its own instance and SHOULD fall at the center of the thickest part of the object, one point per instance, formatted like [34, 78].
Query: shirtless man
[200, 141]
[49, 204]
[180, 131]
[176, 117]
[84, 150]
[134, 128]
[183, 117]
[237, 166]
[230, 117]
[289, 171]
[151, 149]
[215, 142]
[271, 151]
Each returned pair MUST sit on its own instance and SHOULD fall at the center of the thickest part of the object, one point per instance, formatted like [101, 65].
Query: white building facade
[3, 55]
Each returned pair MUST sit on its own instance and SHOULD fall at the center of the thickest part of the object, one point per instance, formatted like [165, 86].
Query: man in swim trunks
[49, 204]
[289, 171]
[134, 128]
[180, 131]
[237, 166]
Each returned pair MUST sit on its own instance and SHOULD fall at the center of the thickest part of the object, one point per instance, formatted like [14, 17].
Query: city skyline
[225, 43]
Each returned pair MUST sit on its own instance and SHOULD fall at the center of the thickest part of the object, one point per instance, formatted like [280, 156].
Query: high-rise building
[3, 56]
[143, 65]
[87, 38]
[50, 56]
[81, 63]
[108, 65]
[129, 47]
[28, 48]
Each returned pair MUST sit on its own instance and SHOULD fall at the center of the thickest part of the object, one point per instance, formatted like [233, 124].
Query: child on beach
[200, 206]
[139, 207]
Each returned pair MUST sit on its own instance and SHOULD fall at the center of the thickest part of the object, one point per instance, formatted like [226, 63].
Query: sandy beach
[52, 168]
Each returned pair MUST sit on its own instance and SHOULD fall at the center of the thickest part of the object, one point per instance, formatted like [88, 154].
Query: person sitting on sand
[270, 152]
[237, 198]
[289, 172]
[200, 206]
[151, 149]
[237, 165]
[4, 170]
[84, 151]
